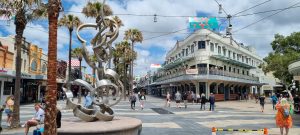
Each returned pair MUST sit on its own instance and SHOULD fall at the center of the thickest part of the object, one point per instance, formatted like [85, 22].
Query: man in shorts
[38, 117]
[177, 99]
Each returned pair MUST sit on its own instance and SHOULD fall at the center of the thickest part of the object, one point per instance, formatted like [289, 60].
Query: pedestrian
[194, 97]
[203, 101]
[178, 99]
[9, 107]
[185, 99]
[142, 100]
[211, 102]
[283, 116]
[88, 101]
[198, 98]
[262, 102]
[168, 100]
[274, 101]
[38, 117]
[132, 100]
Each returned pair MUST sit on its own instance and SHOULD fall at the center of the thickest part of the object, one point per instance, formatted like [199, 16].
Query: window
[247, 72]
[179, 55]
[44, 68]
[238, 71]
[201, 44]
[234, 56]
[186, 51]
[243, 72]
[24, 65]
[242, 58]
[238, 57]
[252, 63]
[233, 70]
[247, 60]
[212, 47]
[229, 69]
[229, 54]
[33, 65]
[224, 68]
[192, 49]
[219, 50]
[182, 52]
[224, 51]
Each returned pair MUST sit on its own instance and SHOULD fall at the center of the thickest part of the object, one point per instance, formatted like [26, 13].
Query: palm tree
[134, 35]
[70, 21]
[54, 8]
[94, 10]
[77, 53]
[24, 11]
[123, 53]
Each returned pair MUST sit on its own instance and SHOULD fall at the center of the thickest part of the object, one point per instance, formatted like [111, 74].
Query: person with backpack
[283, 116]
[132, 100]
[274, 101]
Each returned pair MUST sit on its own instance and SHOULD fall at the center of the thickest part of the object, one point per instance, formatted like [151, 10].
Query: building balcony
[204, 74]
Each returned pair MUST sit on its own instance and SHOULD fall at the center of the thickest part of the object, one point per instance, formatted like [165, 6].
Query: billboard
[203, 23]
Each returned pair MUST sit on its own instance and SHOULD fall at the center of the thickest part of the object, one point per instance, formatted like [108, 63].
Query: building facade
[206, 62]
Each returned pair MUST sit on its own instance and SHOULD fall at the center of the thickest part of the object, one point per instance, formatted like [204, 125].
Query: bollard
[214, 131]
[266, 131]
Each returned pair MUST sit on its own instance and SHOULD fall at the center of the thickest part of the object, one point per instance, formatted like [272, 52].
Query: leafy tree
[286, 49]
[25, 11]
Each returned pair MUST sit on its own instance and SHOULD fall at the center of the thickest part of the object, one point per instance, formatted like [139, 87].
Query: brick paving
[189, 121]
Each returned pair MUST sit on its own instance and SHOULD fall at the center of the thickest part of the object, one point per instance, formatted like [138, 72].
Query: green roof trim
[231, 61]
[177, 62]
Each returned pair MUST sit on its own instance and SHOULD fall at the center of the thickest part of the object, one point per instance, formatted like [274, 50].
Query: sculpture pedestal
[118, 126]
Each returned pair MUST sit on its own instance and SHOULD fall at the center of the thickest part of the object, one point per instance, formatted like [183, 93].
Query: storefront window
[33, 65]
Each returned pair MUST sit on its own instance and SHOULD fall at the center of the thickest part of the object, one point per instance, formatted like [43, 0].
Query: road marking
[162, 125]
[235, 122]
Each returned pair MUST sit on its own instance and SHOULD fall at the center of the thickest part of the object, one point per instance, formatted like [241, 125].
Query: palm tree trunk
[124, 80]
[20, 23]
[131, 70]
[70, 55]
[50, 111]
[80, 77]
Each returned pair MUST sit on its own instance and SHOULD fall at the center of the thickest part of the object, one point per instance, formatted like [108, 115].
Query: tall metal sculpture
[108, 88]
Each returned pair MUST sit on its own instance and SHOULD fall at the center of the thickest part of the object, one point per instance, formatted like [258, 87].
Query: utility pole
[229, 28]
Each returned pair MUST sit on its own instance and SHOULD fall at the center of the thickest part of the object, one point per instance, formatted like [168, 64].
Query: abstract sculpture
[108, 88]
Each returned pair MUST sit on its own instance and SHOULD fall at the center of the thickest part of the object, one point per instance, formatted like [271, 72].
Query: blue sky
[153, 50]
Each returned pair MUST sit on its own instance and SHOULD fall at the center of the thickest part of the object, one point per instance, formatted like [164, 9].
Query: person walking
[283, 116]
[142, 100]
[9, 106]
[198, 98]
[132, 100]
[194, 97]
[211, 102]
[203, 101]
[262, 102]
[168, 100]
[185, 99]
[177, 99]
[274, 101]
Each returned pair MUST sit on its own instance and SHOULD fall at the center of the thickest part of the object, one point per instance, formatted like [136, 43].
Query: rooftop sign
[203, 23]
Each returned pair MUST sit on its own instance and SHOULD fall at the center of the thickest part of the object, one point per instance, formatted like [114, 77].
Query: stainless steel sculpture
[108, 88]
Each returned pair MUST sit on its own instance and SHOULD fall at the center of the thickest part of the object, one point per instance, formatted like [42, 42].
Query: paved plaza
[158, 120]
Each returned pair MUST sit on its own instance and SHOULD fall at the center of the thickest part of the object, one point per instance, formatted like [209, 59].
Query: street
[158, 120]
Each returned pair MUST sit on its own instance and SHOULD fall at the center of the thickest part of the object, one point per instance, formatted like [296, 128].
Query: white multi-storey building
[207, 62]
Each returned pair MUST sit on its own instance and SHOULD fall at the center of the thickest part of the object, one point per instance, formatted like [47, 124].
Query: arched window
[44, 68]
[33, 65]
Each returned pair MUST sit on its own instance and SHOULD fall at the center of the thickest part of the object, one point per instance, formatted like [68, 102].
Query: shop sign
[297, 78]
[192, 71]
[3, 71]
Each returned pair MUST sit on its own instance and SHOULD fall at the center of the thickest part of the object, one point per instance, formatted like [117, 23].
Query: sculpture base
[118, 126]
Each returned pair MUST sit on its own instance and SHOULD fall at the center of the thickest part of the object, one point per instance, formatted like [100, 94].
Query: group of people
[202, 99]
[133, 98]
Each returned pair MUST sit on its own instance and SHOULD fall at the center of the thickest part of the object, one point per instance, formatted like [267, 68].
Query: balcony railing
[204, 71]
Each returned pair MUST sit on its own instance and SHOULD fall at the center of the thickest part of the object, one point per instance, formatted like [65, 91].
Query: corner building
[207, 62]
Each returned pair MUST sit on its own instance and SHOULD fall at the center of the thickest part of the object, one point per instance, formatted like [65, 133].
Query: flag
[155, 66]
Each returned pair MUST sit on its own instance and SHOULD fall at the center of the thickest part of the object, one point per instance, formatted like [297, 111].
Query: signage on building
[3, 71]
[203, 23]
[191, 71]
[297, 78]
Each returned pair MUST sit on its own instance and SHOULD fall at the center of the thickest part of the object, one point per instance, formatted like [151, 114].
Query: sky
[252, 27]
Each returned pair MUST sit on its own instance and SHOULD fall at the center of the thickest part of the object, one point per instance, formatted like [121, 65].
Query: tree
[134, 35]
[123, 56]
[94, 10]
[77, 53]
[54, 8]
[70, 21]
[24, 11]
[286, 50]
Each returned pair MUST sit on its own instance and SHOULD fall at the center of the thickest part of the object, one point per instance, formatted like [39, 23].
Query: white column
[197, 88]
[207, 89]
[1, 94]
